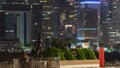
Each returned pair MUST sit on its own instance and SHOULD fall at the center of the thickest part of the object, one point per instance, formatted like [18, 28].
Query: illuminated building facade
[28, 18]
[110, 15]
[50, 20]
[88, 29]
[68, 19]
[21, 20]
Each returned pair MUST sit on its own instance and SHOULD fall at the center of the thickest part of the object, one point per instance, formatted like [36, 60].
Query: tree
[54, 52]
[80, 54]
[68, 42]
[68, 54]
[89, 54]
[58, 43]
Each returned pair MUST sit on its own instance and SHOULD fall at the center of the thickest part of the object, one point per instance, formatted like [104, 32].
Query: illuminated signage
[90, 1]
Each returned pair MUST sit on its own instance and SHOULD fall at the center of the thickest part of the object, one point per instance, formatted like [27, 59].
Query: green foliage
[68, 42]
[22, 46]
[32, 46]
[69, 55]
[58, 43]
[80, 54]
[89, 54]
[54, 52]
[59, 49]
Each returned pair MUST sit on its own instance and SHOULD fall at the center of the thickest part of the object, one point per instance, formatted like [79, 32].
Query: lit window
[6, 31]
[48, 12]
[49, 28]
[6, 13]
[48, 36]
[35, 23]
[75, 10]
[9, 31]
[44, 6]
[71, 16]
[71, 3]
[117, 41]
[33, 40]
[118, 34]
[117, 30]
[44, 14]
[26, 0]
[116, 16]
[110, 27]
[114, 7]
[84, 21]
[43, 0]
[46, 18]
[61, 34]
[112, 35]
[109, 12]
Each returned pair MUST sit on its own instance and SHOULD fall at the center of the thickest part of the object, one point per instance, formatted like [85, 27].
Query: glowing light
[90, 2]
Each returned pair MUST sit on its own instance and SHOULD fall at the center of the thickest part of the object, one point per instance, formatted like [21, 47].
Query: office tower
[68, 19]
[50, 20]
[36, 20]
[106, 8]
[18, 21]
[35, 16]
[88, 28]
[110, 16]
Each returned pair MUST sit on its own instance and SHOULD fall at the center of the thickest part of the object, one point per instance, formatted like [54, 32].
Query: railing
[6, 64]
[33, 63]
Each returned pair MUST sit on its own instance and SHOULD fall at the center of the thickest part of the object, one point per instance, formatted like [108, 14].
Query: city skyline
[88, 23]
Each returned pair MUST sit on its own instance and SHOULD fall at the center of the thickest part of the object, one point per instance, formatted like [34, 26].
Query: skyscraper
[68, 19]
[110, 22]
[21, 19]
[28, 18]
[89, 26]
[50, 20]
